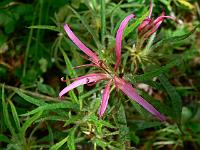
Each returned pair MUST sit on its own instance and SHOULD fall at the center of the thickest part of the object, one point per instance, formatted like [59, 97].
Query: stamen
[86, 65]
[91, 84]
[100, 62]
[87, 80]
[62, 79]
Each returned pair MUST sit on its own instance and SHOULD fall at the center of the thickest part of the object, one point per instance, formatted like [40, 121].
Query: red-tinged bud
[150, 26]
[144, 24]
[147, 20]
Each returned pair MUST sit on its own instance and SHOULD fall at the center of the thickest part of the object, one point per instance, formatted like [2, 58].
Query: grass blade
[149, 75]
[4, 138]
[72, 74]
[59, 144]
[54, 106]
[69, 66]
[28, 123]
[89, 93]
[174, 96]
[46, 27]
[123, 129]
[6, 114]
[15, 115]
[71, 139]
[29, 99]
[174, 39]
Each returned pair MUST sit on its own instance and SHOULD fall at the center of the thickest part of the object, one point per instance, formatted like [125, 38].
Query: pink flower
[149, 25]
[107, 74]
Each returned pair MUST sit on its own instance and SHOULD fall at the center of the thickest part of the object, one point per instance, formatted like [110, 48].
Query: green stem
[28, 44]
[103, 21]
[38, 36]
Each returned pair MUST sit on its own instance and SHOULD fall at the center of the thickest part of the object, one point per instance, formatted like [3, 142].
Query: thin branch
[44, 97]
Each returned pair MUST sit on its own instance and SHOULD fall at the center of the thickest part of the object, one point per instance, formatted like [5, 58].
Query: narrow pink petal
[119, 37]
[151, 9]
[83, 80]
[105, 97]
[80, 45]
[161, 18]
[131, 93]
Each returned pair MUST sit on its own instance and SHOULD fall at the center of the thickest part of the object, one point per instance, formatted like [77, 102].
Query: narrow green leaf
[15, 115]
[174, 62]
[154, 84]
[142, 125]
[6, 114]
[53, 118]
[46, 27]
[71, 139]
[101, 143]
[46, 89]
[175, 39]
[54, 106]
[4, 138]
[28, 45]
[174, 96]
[149, 75]
[93, 118]
[72, 119]
[148, 49]
[70, 69]
[29, 99]
[123, 128]
[28, 123]
[59, 144]
[89, 93]
[50, 130]
[72, 74]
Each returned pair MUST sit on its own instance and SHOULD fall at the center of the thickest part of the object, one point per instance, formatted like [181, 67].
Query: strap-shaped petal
[131, 93]
[80, 45]
[83, 80]
[151, 9]
[105, 97]
[161, 18]
[119, 37]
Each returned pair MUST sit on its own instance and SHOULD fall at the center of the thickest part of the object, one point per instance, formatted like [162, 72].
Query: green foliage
[35, 53]
[59, 144]
[174, 96]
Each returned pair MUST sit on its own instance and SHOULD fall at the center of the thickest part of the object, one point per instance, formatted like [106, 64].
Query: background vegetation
[35, 53]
